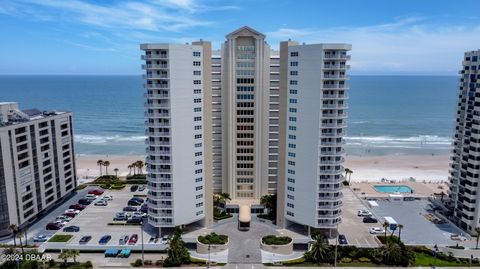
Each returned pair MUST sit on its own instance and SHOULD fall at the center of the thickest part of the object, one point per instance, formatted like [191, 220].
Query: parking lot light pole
[336, 248]
[141, 230]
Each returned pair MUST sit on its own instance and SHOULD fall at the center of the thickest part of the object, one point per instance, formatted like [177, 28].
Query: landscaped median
[211, 243]
[277, 244]
[60, 238]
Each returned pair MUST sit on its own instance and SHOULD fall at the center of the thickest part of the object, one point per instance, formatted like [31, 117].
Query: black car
[370, 220]
[342, 240]
[135, 220]
[137, 199]
[129, 209]
[134, 202]
[84, 202]
[72, 229]
[134, 188]
[85, 239]
[53, 226]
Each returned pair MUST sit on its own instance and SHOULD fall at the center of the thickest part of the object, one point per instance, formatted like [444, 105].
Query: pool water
[393, 188]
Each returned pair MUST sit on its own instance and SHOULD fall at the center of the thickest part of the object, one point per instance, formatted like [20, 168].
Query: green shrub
[214, 239]
[364, 259]
[137, 263]
[60, 238]
[148, 262]
[80, 187]
[105, 186]
[393, 239]
[276, 240]
[110, 179]
[346, 260]
[159, 263]
[293, 262]
[197, 261]
[117, 186]
[88, 264]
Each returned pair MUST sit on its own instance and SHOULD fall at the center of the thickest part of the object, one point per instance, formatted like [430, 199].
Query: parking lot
[94, 221]
[352, 226]
[418, 230]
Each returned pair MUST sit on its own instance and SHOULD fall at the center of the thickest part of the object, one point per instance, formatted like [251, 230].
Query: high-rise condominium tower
[37, 163]
[242, 91]
[465, 166]
[179, 132]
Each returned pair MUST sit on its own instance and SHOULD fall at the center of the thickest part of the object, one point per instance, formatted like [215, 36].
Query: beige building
[37, 164]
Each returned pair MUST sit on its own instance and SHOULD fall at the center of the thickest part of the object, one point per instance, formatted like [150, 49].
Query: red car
[77, 207]
[70, 214]
[133, 239]
[96, 192]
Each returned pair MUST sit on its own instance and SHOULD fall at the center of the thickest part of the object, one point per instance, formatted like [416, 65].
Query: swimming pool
[393, 188]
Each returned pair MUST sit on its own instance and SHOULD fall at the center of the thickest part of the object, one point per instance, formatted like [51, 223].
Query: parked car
[342, 239]
[123, 240]
[135, 220]
[376, 230]
[107, 197]
[134, 188]
[105, 239]
[74, 211]
[141, 188]
[85, 239]
[120, 216]
[165, 239]
[96, 192]
[64, 218]
[91, 197]
[134, 202]
[153, 240]
[77, 207]
[71, 229]
[137, 199]
[60, 223]
[144, 208]
[101, 203]
[71, 215]
[133, 239]
[370, 220]
[40, 238]
[139, 214]
[364, 213]
[84, 202]
[129, 209]
[53, 226]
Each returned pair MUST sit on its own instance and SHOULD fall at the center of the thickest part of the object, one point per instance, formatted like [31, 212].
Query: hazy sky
[392, 37]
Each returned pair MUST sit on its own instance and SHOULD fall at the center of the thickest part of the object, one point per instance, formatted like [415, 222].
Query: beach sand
[399, 167]
[365, 168]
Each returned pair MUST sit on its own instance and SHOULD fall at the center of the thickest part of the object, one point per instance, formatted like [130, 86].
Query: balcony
[157, 124]
[334, 115]
[155, 76]
[335, 96]
[329, 216]
[156, 95]
[154, 56]
[158, 170]
[156, 143]
[329, 225]
[342, 160]
[337, 57]
[330, 198]
[157, 133]
[333, 125]
[336, 66]
[157, 115]
[330, 171]
[332, 180]
[334, 106]
[331, 134]
[336, 77]
[332, 152]
[156, 86]
[154, 66]
[157, 105]
[335, 86]
[158, 152]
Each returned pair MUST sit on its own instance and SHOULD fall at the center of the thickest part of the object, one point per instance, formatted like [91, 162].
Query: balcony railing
[156, 86]
[154, 56]
[155, 66]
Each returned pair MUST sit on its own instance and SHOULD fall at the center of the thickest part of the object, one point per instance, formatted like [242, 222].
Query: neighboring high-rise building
[37, 163]
[178, 126]
[465, 166]
[313, 100]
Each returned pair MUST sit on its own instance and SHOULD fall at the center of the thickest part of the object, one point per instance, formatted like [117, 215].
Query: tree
[20, 234]
[9, 263]
[177, 253]
[106, 164]
[269, 201]
[477, 235]
[100, 164]
[14, 229]
[400, 227]
[320, 251]
[140, 165]
[116, 172]
[391, 253]
[130, 168]
[65, 255]
[348, 173]
[74, 254]
[385, 227]
[225, 197]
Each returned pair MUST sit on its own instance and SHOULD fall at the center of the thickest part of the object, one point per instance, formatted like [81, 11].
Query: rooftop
[10, 114]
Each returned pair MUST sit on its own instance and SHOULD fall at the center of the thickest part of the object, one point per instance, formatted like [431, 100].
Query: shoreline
[428, 168]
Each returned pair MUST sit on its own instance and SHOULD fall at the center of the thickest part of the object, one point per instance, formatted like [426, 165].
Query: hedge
[213, 239]
[276, 240]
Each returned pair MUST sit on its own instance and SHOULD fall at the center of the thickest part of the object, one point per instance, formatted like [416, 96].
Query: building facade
[465, 165]
[37, 163]
[179, 133]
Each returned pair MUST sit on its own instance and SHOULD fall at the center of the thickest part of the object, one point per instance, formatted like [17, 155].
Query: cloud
[413, 45]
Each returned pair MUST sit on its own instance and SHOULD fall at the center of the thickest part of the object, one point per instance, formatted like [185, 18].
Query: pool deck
[421, 190]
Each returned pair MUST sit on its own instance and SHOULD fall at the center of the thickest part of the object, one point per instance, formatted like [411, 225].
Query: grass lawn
[60, 238]
[422, 259]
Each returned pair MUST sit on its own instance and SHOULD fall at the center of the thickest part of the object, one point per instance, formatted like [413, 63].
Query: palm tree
[64, 256]
[140, 165]
[225, 197]
[477, 231]
[106, 164]
[74, 254]
[400, 227]
[20, 234]
[116, 172]
[385, 227]
[319, 250]
[391, 253]
[100, 163]
[14, 229]
[134, 166]
[348, 173]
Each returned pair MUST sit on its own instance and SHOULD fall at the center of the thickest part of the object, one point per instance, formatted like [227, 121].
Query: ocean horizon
[387, 114]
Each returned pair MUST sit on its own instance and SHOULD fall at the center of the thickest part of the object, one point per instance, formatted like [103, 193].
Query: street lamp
[208, 261]
[336, 248]
[141, 229]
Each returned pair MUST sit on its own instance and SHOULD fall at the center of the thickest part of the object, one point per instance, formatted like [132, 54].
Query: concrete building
[313, 104]
[465, 166]
[178, 126]
[37, 163]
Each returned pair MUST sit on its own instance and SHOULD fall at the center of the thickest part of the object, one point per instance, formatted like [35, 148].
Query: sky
[394, 37]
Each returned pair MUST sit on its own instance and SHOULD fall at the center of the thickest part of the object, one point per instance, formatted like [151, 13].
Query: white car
[91, 196]
[138, 214]
[107, 197]
[377, 230]
[101, 203]
[40, 238]
[74, 211]
[63, 218]
[61, 222]
[364, 213]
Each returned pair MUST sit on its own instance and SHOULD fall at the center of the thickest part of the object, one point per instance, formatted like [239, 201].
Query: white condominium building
[178, 126]
[313, 93]
[37, 164]
[465, 166]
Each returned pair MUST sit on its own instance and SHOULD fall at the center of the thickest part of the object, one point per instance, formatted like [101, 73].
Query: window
[197, 109]
[290, 188]
[197, 154]
[294, 54]
[198, 127]
[245, 88]
[245, 96]
[197, 100]
[197, 91]
[293, 73]
[293, 101]
[293, 82]
[292, 119]
[290, 205]
[197, 82]
[290, 171]
[290, 214]
[198, 171]
[196, 63]
[292, 128]
[292, 154]
[197, 118]
[198, 196]
[198, 188]
[291, 197]
[198, 145]
[293, 63]
[197, 73]
[199, 179]
[292, 146]
[292, 137]
[291, 180]
[292, 163]
[292, 110]
[199, 205]
[196, 54]
[293, 91]
[197, 136]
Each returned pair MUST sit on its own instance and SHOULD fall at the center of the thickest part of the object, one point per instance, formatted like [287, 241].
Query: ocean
[387, 114]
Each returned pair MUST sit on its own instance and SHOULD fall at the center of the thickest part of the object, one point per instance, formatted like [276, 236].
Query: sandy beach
[365, 168]
[399, 167]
